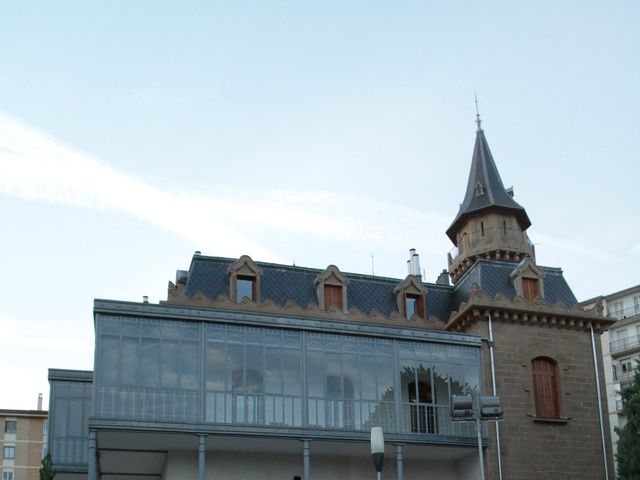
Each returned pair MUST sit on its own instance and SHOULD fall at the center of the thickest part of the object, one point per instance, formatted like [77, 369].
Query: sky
[135, 133]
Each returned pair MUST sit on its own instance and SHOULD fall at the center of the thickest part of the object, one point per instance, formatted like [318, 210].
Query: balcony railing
[276, 411]
[621, 313]
[625, 344]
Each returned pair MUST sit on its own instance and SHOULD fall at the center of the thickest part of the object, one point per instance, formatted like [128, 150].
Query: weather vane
[478, 121]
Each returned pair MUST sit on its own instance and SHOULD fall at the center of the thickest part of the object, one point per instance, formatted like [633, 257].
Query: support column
[93, 461]
[399, 461]
[202, 456]
[306, 472]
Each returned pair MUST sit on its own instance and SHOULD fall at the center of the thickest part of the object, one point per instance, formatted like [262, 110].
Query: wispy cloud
[13, 334]
[36, 166]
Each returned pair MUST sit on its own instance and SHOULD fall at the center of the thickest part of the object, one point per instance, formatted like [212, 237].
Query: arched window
[545, 387]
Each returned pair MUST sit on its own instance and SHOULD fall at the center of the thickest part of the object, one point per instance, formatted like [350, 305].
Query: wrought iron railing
[624, 344]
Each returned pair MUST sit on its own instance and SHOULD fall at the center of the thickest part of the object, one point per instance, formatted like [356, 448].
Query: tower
[490, 223]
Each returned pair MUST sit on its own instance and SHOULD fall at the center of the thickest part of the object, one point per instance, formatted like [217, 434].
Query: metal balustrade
[624, 344]
[134, 403]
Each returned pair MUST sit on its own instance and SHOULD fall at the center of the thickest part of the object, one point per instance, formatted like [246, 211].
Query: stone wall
[570, 448]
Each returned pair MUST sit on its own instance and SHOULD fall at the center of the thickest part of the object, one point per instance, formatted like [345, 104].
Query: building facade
[259, 370]
[23, 443]
[620, 348]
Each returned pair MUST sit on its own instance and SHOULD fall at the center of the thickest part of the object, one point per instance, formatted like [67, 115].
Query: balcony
[625, 345]
[628, 312]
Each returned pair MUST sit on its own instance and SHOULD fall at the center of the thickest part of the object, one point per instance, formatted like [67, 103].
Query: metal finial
[478, 121]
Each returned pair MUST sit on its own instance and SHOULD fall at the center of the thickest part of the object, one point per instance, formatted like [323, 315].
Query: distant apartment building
[620, 348]
[23, 443]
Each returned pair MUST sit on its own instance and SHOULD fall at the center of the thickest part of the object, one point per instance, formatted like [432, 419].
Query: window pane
[10, 426]
[235, 367]
[410, 305]
[440, 386]
[189, 365]
[292, 372]
[150, 362]
[368, 375]
[408, 381]
[315, 373]
[215, 366]
[254, 369]
[129, 361]
[385, 379]
[456, 379]
[244, 288]
[273, 371]
[61, 409]
[109, 359]
[169, 372]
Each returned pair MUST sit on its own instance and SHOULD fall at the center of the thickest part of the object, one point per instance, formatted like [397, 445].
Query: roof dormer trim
[527, 270]
[244, 269]
[411, 287]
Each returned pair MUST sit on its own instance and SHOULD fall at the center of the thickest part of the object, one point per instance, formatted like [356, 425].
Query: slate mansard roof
[284, 283]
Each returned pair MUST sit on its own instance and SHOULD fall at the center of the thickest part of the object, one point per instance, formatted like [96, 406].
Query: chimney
[443, 278]
[40, 402]
[413, 264]
[145, 299]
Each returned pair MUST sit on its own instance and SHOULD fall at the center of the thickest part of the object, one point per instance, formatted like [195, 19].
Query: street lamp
[377, 449]
[489, 408]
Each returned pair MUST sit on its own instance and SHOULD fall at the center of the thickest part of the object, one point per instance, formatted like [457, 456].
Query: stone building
[259, 370]
[23, 440]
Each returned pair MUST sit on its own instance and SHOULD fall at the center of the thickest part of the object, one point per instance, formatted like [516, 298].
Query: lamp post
[377, 449]
[489, 408]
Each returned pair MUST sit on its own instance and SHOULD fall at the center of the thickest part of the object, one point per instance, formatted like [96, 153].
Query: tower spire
[478, 121]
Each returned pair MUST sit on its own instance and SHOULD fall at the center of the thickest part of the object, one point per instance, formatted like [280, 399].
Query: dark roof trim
[23, 413]
[249, 318]
[70, 375]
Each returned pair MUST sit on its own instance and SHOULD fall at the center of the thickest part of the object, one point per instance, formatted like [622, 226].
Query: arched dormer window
[528, 280]
[410, 295]
[546, 390]
[244, 280]
[331, 286]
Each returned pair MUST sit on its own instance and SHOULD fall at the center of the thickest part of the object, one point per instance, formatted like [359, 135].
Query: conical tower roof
[485, 190]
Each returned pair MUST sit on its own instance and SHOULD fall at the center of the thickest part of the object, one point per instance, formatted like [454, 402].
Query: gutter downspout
[493, 382]
[595, 366]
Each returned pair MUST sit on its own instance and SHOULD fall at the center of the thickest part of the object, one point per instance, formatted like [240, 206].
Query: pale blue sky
[133, 133]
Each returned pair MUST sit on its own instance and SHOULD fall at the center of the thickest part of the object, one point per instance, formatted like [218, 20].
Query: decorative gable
[528, 280]
[244, 279]
[331, 287]
[410, 296]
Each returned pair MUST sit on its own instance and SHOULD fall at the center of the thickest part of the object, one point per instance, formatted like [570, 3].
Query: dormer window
[410, 295]
[245, 287]
[333, 296]
[528, 280]
[244, 280]
[413, 305]
[479, 190]
[332, 289]
[530, 288]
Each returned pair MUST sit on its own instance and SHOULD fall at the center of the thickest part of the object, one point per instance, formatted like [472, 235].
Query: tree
[628, 456]
[46, 469]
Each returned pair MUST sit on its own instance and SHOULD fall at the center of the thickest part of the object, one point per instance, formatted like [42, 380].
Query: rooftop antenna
[478, 121]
